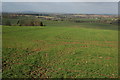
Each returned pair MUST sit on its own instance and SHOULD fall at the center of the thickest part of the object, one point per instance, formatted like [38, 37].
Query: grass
[60, 51]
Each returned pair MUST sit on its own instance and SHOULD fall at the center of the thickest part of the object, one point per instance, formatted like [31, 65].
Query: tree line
[23, 22]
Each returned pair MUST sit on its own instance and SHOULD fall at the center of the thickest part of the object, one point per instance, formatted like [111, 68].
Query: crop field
[59, 50]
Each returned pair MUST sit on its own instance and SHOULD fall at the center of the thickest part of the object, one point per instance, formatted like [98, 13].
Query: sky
[62, 7]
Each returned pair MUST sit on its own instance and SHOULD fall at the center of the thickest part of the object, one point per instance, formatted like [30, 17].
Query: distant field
[60, 50]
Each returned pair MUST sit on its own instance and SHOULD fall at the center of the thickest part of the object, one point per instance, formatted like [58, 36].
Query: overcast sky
[62, 7]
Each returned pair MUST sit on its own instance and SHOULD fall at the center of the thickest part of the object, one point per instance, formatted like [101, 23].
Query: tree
[18, 22]
[8, 23]
[32, 23]
[41, 24]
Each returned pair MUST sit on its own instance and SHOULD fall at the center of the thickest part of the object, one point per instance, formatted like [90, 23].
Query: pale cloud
[60, 0]
[62, 7]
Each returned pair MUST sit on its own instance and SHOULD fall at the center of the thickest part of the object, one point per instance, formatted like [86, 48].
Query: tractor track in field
[43, 71]
[80, 71]
[33, 72]
[89, 41]
[84, 43]
[32, 52]
[62, 43]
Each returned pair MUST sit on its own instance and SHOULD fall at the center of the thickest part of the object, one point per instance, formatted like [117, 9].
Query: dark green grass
[84, 25]
[69, 51]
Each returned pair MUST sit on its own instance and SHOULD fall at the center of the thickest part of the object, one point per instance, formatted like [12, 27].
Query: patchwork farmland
[59, 46]
[60, 50]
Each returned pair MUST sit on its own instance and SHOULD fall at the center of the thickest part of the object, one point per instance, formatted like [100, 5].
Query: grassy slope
[58, 52]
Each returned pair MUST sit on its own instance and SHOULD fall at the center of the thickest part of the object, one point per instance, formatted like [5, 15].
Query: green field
[60, 50]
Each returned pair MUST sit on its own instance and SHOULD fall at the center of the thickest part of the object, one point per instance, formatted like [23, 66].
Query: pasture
[60, 50]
